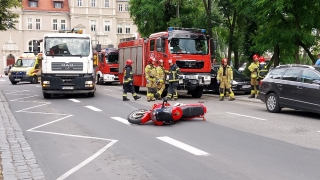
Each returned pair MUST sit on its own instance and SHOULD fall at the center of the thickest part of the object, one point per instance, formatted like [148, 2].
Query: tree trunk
[276, 55]
[236, 59]
[232, 27]
[308, 52]
[208, 9]
[296, 56]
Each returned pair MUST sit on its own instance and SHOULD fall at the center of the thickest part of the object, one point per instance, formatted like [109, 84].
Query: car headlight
[234, 82]
[88, 82]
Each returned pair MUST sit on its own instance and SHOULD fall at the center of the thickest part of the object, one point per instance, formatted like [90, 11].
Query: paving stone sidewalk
[16, 157]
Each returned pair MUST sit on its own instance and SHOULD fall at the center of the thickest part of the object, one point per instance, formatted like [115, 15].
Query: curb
[244, 99]
[17, 159]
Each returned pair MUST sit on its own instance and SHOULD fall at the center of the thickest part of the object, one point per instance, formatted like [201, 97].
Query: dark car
[241, 83]
[291, 86]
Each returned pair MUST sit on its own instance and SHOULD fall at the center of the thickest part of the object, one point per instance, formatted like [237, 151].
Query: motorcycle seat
[191, 111]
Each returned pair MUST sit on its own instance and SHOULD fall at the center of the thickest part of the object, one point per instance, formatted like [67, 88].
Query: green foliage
[7, 18]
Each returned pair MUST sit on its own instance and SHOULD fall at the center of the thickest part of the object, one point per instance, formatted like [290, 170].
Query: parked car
[241, 83]
[291, 86]
[7, 69]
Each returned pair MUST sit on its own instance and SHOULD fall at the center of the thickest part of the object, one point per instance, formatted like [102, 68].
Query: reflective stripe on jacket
[174, 72]
[128, 74]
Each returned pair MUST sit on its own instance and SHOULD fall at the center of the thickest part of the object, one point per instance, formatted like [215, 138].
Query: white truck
[68, 64]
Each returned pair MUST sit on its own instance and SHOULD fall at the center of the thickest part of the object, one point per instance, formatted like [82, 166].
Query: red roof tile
[46, 5]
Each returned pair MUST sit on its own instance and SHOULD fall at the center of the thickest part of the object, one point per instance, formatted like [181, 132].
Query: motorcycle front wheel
[136, 116]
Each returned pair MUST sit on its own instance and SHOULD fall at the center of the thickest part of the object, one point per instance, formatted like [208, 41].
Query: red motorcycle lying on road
[164, 113]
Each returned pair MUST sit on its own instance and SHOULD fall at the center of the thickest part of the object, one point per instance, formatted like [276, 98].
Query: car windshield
[113, 58]
[188, 46]
[63, 46]
[25, 63]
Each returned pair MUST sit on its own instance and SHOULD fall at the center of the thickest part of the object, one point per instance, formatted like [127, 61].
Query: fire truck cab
[191, 49]
[108, 65]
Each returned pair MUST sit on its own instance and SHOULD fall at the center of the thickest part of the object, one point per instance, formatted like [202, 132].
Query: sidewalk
[240, 98]
[16, 157]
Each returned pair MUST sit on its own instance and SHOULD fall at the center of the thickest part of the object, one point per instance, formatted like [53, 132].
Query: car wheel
[136, 116]
[14, 82]
[34, 80]
[272, 103]
[46, 95]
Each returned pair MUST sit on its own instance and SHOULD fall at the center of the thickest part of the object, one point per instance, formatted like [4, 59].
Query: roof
[46, 5]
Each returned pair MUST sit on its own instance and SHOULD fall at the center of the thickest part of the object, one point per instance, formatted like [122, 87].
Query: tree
[7, 18]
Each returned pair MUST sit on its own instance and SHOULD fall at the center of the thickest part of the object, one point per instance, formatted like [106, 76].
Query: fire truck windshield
[25, 63]
[63, 46]
[113, 58]
[188, 46]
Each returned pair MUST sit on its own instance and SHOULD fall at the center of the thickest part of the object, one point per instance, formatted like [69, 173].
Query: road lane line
[246, 116]
[23, 98]
[183, 146]
[124, 121]
[74, 100]
[85, 162]
[93, 108]
[49, 123]
[108, 89]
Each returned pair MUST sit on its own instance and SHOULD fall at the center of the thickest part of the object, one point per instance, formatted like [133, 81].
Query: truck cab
[26, 69]
[108, 65]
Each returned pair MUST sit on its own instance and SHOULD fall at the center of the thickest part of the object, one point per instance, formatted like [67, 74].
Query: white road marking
[49, 123]
[183, 146]
[108, 89]
[65, 175]
[93, 108]
[15, 91]
[24, 98]
[2, 80]
[124, 121]
[318, 131]
[74, 100]
[246, 116]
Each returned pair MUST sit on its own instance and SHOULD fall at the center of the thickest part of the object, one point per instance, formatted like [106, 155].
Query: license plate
[191, 77]
[246, 86]
[17, 79]
[67, 87]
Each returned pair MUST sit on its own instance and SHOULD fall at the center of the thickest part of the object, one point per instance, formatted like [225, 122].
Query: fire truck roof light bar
[187, 29]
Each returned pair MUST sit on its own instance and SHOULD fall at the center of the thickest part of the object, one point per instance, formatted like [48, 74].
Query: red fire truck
[107, 70]
[191, 49]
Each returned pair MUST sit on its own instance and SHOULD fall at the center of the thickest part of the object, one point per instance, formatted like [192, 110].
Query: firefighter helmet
[129, 62]
[170, 61]
[262, 59]
[224, 60]
[256, 56]
[160, 61]
[151, 59]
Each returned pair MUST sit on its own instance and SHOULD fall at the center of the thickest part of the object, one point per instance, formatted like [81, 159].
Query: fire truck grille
[114, 69]
[63, 66]
[190, 64]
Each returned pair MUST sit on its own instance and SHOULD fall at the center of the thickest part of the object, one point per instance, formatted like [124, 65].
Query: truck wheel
[34, 80]
[197, 93]
[14, 82]
[91, 94]
[137, 88]
[46, 95]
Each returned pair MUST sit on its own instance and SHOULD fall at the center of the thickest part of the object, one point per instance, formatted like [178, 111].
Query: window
[63, 24]
[31, 47]
[93, 3]
[120, 7]
[93, 25]
[38, 24]
[107, 26]
[152, 45]
[55, 24]
[79, 3]
[33, 4]
[29, 23]
[119, 28]
[309, 76]
[57, 4]
[276, 73]
[126, 7]
[106, 3]
[291, 75]
[128, 28]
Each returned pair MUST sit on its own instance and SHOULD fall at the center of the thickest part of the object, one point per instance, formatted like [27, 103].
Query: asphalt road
[76, 137]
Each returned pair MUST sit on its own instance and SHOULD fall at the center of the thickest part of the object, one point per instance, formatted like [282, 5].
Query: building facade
[107, 21]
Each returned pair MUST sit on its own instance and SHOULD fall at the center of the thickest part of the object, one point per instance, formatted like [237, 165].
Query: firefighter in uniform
[253, 68]
[263, 69]
[174, 73]
[128, 82]
[151, 77]
[161, 77]
[225, 77]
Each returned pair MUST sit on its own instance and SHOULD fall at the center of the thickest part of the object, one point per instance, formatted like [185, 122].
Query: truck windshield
[113, 58]
[64, 46]
[188, 46]
[25, 63]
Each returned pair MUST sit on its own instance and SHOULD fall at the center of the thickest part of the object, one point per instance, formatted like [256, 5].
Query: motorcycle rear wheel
[136, 116]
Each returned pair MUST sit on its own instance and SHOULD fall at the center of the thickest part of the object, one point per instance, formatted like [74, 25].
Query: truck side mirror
[98, 48]
[159, 44]
[213, 48]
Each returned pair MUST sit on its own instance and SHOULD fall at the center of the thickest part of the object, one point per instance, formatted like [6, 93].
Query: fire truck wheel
[46, 95]
[197, 93]
[34, 80]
